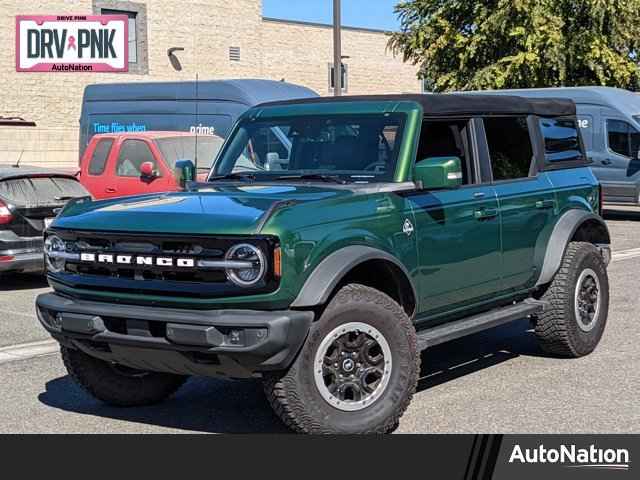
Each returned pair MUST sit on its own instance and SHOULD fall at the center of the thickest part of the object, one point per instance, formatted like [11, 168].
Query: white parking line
[625, 254]
[25, 351]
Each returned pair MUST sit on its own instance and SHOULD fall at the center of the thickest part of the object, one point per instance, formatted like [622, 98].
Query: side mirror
[439, 172]
[146, 170]
[185, 172]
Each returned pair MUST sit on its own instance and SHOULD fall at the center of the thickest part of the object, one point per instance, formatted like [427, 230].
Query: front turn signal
[277, 262]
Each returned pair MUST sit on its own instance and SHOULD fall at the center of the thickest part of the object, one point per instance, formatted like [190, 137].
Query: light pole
[337, 50]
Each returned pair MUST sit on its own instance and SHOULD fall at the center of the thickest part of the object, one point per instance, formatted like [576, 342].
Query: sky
[355, 13]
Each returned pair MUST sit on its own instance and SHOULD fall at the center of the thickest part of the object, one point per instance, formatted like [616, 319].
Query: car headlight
[55, 251]
[247, 264]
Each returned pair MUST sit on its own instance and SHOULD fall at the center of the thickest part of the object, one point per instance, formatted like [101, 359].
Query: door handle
[545, 204]
[606, 161]
[485, 213]
[110, 190]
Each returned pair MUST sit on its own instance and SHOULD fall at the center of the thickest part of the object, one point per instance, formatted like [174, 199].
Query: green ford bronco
[334, 240]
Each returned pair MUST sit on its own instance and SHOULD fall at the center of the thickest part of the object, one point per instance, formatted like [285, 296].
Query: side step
[477, 323]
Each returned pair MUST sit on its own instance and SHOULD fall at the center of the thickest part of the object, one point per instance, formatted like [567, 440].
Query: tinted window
[184, 148]
[99, 157]
[358, 148]
[133, 153]
[561, 141]
[509, 147]
[445, 139]
[623, 138]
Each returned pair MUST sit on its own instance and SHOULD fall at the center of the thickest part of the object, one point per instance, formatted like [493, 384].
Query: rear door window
[40, 191]
[561, 140]
[510, 147]
[133, 153]
[99, 158]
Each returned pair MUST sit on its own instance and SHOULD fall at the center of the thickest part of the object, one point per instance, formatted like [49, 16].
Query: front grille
[155, 279]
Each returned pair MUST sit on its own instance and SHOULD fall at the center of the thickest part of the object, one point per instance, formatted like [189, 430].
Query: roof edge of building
[323, 25]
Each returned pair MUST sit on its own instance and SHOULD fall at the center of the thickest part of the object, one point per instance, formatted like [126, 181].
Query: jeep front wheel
[118, 385]
[356, 372]
[578, 299]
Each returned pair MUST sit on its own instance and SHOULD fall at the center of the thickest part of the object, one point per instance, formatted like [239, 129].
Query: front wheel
[579, 303]
[357, 371]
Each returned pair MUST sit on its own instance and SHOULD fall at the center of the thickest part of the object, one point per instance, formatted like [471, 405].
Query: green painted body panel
[470, 245]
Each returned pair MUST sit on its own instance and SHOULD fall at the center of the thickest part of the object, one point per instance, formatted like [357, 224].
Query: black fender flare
[331, 270]
[562, 233]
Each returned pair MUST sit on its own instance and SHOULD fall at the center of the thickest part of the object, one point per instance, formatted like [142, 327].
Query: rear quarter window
[561, 140]
[99, 158]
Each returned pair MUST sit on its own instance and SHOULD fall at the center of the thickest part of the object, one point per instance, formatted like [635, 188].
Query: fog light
[245, 337]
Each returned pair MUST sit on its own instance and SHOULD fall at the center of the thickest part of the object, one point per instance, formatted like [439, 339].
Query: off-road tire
[294, 394]
[104, 383]
[557, 328]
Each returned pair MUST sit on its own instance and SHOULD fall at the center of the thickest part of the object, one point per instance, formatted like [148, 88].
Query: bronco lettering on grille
[139, 260]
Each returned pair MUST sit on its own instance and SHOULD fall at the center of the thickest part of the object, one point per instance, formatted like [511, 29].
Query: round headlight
[251, 264]
[54, 249]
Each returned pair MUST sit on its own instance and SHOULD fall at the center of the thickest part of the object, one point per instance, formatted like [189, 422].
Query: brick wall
[205, 29]
[301, 53]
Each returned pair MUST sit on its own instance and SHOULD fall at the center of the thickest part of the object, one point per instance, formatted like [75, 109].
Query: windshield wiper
[314, 176]
[233, 176]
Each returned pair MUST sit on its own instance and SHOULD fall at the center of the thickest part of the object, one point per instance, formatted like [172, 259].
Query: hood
[220, 209]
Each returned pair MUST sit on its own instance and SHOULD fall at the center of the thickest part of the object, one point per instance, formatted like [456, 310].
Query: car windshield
[352, 148]
[183, 147]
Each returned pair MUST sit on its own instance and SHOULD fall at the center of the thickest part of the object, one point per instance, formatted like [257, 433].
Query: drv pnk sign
[72, 43]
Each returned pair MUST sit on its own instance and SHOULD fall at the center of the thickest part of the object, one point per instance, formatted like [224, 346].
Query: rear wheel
[119, 385]
[356, 373]
[579, 302]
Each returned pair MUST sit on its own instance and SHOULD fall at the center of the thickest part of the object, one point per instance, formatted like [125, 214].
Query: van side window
[561, 140]
[447, 138]
[623, 138]
[99, 158]
[133, 154]
[510, 147]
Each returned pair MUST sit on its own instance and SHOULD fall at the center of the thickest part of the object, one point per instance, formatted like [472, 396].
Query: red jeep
[114, 165]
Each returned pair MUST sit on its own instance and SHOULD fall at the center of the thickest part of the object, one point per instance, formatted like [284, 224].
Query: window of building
[561, 139]
[99, 158]
[510, 147]
[137, 29]
[623, 138]
[448, 138]
[133, 38]
[133, 154]
[344, 78]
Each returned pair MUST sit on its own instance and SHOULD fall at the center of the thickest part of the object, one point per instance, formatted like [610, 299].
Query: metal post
[337, 49]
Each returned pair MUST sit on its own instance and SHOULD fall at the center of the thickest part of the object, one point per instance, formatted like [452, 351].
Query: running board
[477, 323]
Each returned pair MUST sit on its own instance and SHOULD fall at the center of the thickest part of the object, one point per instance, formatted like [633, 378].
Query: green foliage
[481, 44]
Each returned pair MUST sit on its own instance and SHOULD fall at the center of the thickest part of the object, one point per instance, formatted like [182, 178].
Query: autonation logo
[574, 457]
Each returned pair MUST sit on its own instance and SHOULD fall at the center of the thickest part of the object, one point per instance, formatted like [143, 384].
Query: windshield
[355, 148]
[183, 147]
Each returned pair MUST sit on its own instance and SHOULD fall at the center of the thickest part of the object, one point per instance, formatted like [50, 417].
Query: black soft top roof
[458, 104]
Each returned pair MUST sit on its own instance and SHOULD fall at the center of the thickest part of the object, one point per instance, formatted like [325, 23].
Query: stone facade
[206, 29]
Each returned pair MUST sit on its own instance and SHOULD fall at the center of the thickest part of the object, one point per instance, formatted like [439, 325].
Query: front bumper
[229, 343]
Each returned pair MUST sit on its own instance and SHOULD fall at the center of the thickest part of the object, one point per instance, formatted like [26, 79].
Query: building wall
[206, 29]
[301, 53]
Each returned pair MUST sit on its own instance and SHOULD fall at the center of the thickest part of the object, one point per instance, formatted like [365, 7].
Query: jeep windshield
[345, 148]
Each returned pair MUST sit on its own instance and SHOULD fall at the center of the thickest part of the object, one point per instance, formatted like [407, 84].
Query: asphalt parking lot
[497, 381]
